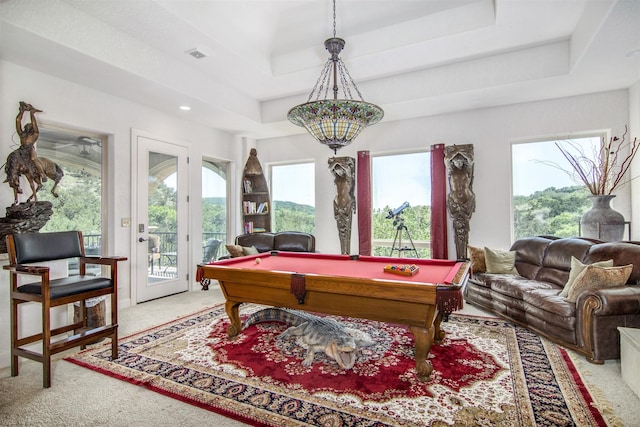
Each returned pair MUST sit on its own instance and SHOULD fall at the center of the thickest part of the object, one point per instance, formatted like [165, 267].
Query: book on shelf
[249, 207]
[259, 229]
[248, 227]
[247, 186]
[263, 207]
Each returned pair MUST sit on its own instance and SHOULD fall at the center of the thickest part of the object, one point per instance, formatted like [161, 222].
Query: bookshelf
[256, 203]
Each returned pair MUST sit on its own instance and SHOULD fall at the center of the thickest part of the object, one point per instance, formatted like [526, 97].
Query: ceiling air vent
[197, 53]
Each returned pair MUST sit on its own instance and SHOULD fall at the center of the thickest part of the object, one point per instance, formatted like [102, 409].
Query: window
[214, 209]
[293, 197]
[397, 179]
[546, 200]
[79, 205]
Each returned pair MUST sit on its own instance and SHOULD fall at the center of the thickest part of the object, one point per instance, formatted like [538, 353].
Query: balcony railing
[168, 244]
[92, 244]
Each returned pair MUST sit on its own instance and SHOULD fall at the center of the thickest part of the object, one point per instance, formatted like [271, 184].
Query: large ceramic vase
[602, 222]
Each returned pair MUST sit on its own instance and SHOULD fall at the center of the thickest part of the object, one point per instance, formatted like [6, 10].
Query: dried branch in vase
[605, 169]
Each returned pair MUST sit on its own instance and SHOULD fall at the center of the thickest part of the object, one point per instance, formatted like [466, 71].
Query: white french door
[161, 230]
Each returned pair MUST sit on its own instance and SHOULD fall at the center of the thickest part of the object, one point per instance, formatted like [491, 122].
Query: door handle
[142, 239]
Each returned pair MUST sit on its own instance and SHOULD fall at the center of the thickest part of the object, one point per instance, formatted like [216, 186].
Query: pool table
[344, 285]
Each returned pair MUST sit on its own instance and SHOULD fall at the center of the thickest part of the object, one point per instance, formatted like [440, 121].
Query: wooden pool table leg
[423, 338]
[233, 311]
[439, 333]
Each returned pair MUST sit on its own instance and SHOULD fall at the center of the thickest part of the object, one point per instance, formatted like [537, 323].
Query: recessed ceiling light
[633, 53]
[185, 108]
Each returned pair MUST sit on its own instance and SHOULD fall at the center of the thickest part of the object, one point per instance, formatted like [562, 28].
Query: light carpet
[487, 371]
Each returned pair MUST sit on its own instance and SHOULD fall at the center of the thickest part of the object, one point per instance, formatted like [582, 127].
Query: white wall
[74, 106]
[634, 131]
[490, 131]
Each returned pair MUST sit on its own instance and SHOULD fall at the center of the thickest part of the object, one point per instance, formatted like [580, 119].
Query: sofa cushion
[251, 250]
[593, 277]
[477, 259]
[576, 269]
[514, 286]
[263, 242]
[549, 313]
[622, 253]
[529, 255]
[237, 250]
[500, 262]
[554, 307]
[556, 263]
[480, 279]
[234, 250]
[294, 241]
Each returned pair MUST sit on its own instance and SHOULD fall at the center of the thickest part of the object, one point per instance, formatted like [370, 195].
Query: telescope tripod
[397, 241]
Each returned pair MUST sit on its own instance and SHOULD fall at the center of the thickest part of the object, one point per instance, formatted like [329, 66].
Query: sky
[401, 178]
[530, 175]
[212, 184]
[294, 183]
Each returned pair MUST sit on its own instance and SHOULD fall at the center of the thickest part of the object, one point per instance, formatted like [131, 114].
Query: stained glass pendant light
[335, 122]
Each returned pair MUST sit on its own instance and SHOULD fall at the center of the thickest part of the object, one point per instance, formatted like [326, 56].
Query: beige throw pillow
[599, 277]
[576, 269]
[477, 259]
[235, 250]
[500, 262]
[249, 251]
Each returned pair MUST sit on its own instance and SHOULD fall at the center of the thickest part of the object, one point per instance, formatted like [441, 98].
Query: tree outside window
[397, 179]
[293, 197]
[214, 209]
[79, 202]
[546, 200]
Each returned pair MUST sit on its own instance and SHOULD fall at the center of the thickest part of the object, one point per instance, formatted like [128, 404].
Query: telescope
[397, 211]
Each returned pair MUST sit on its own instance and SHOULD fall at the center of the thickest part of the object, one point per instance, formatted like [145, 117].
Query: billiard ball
[258, 260]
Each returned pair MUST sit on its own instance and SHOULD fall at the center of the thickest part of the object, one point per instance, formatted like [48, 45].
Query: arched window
[214, 209]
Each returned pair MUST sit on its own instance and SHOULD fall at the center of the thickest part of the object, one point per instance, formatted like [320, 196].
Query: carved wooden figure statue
[461, 200]
[344, 204]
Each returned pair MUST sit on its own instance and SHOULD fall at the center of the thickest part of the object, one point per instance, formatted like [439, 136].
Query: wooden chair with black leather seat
[26, 249]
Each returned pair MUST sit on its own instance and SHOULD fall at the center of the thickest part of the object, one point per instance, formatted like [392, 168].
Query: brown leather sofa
[289, 241]
[531, 298]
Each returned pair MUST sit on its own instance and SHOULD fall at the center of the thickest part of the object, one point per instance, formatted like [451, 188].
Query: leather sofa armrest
[617, 301]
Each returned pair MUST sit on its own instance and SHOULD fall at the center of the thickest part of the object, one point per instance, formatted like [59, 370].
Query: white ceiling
[411, 57]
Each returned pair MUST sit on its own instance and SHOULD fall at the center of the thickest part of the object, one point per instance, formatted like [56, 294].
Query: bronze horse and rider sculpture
[24, 161]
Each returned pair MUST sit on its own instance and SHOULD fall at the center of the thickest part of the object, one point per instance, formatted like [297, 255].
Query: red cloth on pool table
[434, 271]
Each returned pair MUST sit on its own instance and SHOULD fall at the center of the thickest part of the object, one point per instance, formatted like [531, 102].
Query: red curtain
[438, 203]
[363, 200]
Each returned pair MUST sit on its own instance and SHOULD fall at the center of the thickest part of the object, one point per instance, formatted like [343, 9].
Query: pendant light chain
[334, 18]
[334, 122]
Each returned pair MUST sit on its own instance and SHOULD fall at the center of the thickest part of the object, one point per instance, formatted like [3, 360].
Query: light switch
[125, 222]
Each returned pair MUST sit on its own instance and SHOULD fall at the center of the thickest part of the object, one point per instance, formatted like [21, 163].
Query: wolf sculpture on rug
[318, 333]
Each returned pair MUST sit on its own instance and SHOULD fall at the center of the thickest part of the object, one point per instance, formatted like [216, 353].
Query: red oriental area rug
[486, 372]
